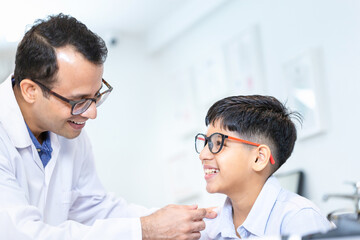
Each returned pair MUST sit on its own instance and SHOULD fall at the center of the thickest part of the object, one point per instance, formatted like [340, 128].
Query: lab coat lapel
[54, 156]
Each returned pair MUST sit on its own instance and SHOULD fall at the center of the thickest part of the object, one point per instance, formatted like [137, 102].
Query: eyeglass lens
[215, 142]
[102, 98]
[81, 107]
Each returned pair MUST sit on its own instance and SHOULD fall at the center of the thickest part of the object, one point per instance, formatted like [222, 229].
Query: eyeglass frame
[72, 102]
[223, 137]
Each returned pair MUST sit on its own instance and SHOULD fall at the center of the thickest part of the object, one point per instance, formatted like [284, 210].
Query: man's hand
[178, 222]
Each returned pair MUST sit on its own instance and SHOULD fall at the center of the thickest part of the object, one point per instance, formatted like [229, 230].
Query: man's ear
[262, 158]
[29, 90]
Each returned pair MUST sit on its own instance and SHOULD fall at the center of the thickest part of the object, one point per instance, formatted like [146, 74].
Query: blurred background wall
[167, 75]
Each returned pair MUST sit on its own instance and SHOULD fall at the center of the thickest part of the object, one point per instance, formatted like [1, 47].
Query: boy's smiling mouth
[210, 172]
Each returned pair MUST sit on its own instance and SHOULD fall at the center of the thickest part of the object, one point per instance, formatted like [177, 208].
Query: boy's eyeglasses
[80, 106]
[216, 141]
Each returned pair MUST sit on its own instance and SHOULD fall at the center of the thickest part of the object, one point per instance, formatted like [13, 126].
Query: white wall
[123, 133]
[144, 147]
[7, 62]
[136, 132]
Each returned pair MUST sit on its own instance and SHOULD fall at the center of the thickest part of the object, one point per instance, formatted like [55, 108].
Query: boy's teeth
[211, 171]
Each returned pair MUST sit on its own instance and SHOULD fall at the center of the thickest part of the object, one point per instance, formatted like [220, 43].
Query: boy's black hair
[261, 119]
[36, 57]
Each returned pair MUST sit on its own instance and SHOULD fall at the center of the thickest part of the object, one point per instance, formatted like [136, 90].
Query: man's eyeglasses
[80, 106]
[216, 141]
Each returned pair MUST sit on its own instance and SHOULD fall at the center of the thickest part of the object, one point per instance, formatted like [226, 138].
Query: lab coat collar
[12, 120]
[11, 117]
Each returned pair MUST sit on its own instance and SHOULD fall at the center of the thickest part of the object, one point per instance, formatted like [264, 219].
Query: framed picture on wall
[209, 75]
[184, 108]
[303, 75]
[244, 64]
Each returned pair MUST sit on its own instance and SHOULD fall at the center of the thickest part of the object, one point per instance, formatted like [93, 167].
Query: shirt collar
[256, 221]
[258, 217]
[223, 225]
[46, 145]
[44, 150]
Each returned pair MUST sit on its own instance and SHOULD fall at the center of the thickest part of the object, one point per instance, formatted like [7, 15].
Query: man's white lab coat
[65, 200]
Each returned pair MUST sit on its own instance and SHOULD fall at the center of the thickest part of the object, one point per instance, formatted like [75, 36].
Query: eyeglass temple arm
[272, 161]
[107, 84]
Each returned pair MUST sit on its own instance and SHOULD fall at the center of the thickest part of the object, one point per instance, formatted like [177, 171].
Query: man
[48, 184]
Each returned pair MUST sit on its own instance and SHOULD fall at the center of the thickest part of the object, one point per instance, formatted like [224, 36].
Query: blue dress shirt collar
[44, 150]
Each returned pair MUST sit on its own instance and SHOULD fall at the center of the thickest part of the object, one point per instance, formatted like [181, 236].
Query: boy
[248, 139]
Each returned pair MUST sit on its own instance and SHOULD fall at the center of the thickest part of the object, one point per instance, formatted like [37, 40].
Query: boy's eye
[218, 143]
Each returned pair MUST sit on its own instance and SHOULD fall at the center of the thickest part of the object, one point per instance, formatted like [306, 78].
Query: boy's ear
[262, 158]
[29, 90]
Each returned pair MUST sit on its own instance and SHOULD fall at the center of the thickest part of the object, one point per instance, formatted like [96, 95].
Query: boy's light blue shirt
[275, 212]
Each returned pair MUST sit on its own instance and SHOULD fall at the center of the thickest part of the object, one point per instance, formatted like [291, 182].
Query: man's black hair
[36, 57]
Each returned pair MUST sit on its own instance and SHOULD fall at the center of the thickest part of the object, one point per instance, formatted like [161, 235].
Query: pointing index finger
[199, 214]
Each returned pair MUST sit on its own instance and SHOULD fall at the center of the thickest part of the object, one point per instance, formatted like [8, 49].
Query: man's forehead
[64, 56]
[67, 54]
[76, 75]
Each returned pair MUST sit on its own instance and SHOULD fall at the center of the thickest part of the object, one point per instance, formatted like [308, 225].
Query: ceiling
[125, 16]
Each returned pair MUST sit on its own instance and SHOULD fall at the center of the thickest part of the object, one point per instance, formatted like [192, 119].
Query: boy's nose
[205, 154]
